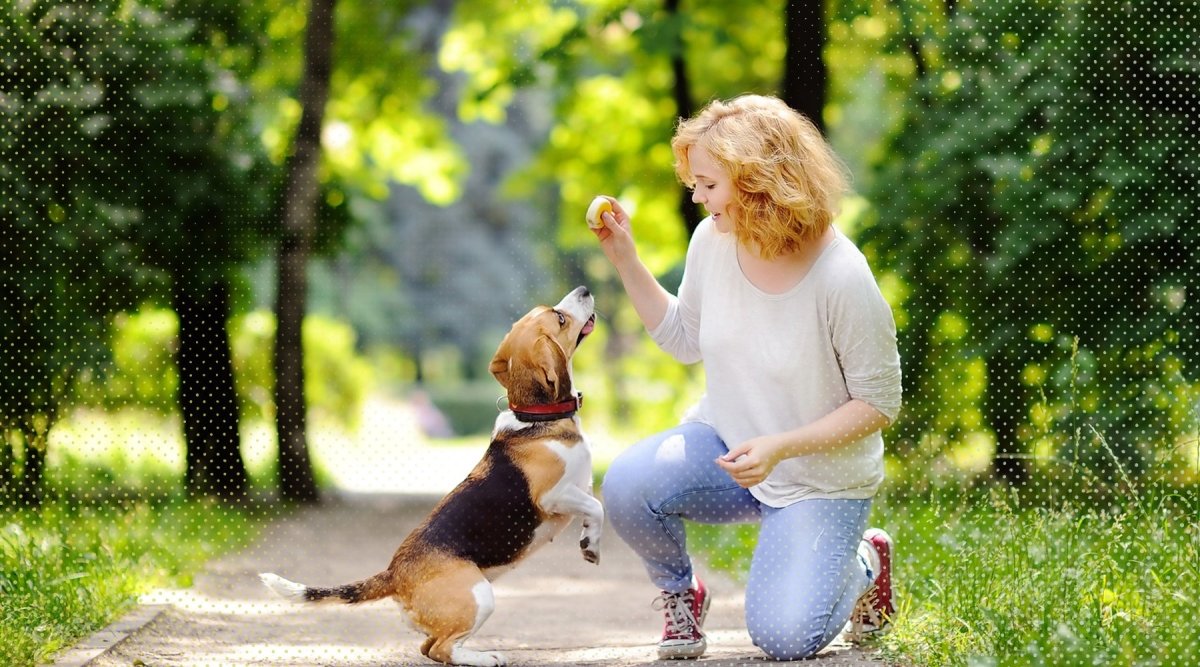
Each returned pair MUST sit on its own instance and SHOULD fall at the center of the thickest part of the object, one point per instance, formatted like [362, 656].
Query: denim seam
[661, 516]
[720, 489]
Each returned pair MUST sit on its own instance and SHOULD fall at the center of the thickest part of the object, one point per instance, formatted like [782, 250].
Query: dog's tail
[371, 588]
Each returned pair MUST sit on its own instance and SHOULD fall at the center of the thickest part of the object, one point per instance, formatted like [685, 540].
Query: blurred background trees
[1039, 208]
[124, 185]
[1025, 191]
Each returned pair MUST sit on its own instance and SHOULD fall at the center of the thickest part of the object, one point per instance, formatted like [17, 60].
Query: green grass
[985, 580]
[67, 570]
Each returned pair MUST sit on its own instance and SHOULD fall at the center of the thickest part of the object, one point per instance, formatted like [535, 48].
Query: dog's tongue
[588, 326]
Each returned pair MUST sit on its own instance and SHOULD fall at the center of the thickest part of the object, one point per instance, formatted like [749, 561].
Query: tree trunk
[30, 486]
[682, 91]
[298, 212]
[1002, 408]
[910, 38]
[805, 79]
[207, 397]
[7, 459]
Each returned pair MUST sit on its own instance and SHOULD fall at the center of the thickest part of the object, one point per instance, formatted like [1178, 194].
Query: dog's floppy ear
[552, 361]
[534, 374]
[500, 365]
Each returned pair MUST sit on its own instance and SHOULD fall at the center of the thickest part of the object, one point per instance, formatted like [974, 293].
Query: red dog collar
[548, 412]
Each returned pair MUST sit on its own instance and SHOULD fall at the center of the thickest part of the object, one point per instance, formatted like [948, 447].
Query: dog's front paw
[589, 554]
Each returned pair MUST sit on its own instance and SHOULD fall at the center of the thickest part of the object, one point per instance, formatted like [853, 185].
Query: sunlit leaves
[503, 46]
[1041, 185]
[377, 117]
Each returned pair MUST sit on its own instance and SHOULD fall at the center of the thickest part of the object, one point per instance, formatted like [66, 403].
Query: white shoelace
[865, 619]
[680, 620]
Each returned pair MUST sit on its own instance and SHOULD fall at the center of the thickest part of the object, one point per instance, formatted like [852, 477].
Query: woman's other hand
[751, 462]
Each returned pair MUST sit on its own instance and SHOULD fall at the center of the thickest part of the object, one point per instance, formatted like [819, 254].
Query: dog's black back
[489, 519]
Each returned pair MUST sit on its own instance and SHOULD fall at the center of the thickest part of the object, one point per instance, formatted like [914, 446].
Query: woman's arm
[750, 462]
[649, 298]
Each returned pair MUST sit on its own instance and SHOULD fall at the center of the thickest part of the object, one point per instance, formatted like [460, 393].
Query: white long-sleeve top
[775, 362]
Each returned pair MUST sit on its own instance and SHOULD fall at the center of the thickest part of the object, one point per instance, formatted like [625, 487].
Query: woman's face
[714, 188]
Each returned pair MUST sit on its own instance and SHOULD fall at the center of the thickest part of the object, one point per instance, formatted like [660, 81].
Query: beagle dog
[534, 479]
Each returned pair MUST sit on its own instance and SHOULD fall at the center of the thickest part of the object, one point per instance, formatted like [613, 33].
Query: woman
[802, 373]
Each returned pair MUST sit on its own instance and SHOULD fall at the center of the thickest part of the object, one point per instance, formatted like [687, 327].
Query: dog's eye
[562, 320]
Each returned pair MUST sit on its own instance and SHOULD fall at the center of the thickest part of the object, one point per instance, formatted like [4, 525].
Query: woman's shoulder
[844, 267]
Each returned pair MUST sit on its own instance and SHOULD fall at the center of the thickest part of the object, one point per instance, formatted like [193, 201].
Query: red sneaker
[683, 637]
[872, 615]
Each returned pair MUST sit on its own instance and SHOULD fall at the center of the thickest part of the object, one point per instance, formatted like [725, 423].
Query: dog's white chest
[577, 462]
[577, 475]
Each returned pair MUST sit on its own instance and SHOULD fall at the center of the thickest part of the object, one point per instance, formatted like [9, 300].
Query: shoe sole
[682, 652]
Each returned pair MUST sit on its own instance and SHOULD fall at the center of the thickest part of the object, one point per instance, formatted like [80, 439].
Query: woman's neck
[782, 273]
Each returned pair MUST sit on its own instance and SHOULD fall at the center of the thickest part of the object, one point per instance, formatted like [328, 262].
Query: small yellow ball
[599, 206]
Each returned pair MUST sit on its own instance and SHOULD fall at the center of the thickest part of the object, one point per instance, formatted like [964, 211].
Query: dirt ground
[555, 609]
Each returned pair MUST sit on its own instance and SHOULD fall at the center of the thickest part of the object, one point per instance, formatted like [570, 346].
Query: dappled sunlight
[285, 654]
[247, 601]
[208, 639]
[386, 453]
[136, 438]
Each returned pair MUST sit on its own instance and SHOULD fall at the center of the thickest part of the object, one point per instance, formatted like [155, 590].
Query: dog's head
[533, 361]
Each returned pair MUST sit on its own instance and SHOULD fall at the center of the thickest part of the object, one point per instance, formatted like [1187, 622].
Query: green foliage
[66, 571]
[986, 583]
[337, 379]
[1037, 209]
[143, 372]
[70, 76]
[142, 149]
[379, 130]
[128, 453]
[122, 158]
[869, 82]
[607, 68]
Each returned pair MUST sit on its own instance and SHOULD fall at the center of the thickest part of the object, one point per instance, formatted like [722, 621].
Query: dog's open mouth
[587, 329]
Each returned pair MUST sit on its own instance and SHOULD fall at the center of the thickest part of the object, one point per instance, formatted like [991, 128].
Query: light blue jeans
[805, 575]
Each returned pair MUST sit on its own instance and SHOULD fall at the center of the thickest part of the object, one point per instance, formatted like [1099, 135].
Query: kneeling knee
[783, 642]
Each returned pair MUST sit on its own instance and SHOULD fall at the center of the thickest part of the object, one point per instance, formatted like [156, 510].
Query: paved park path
[555, 609]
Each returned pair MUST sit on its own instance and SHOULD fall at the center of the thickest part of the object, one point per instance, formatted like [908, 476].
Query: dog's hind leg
[450, 608]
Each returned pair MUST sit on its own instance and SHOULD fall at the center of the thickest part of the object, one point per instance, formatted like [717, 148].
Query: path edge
[83, 652]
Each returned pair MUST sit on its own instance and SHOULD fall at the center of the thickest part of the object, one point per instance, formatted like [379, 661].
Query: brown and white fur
[534, 479]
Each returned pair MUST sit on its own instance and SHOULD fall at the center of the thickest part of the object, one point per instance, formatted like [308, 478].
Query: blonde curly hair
[787, 181]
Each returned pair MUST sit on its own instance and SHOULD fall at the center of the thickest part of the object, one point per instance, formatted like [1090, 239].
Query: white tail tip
[282, 587]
